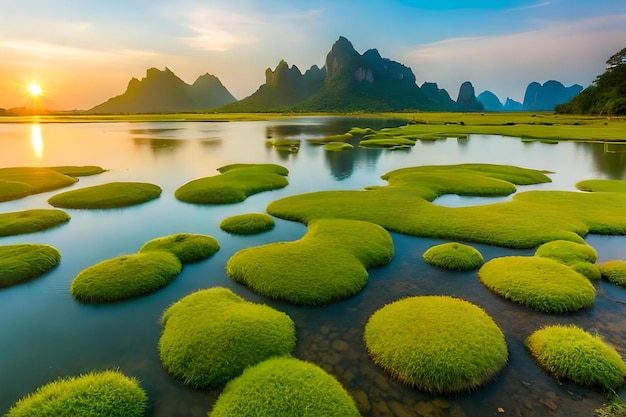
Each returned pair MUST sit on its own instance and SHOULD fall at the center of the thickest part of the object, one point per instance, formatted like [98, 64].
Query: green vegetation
[568, 352]
[106, 196]
[328, 264]
[236, 183]
[613, 408]
[338, 146]
[247, 224]
[108, 393]
[186, 247]
[284, 387]
[284, 144]
[211, 336]
[542, 284]
[579, 256]
[361, 131]
[332, 138]
[611, 186]
[23, 262]
[438, 344]
[614, 271]
[31, 221]
[385, 141]
[78, 171]
[454, 256]
[125, 277]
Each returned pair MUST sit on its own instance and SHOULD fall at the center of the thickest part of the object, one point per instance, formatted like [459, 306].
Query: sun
[34, 89]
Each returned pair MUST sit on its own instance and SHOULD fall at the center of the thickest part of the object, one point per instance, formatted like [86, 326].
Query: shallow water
[45, 334]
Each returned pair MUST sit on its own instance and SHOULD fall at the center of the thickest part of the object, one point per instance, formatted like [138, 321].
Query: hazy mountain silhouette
[164, 92]
[545, 97]
[466, 100]
[491, 102]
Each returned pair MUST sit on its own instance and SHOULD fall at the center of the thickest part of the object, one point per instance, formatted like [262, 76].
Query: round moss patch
[247, 224]
[31, 221]
[539, 283]
[22, 262]
[125, 277]
[107, 393]
[187, 247]
[284, 387]
[614, 271]
[454, 256]
[568, 352]
[211, 336]
[105, 196]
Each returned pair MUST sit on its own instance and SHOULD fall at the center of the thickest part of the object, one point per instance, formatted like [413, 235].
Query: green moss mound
[614, 186]
[539, 283]
[188, 248]
[31, 221]
[328, 264]
[338, 146]
[614, 271]
[382, 141]
[106, 196]
[284, 387]
[247, 224]
[332, 138]
[211, 336]
[20, 182]
[579, 256]
[23, 262]
[236, 183]
[125, 277]
[107, 393]
[568, 352]
[438, 344]
[284, 144]
[455, 256]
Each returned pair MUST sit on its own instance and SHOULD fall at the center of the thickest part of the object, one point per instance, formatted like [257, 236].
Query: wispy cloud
[530, 6]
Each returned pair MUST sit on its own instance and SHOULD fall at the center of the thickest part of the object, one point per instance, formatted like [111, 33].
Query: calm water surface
[45, 334]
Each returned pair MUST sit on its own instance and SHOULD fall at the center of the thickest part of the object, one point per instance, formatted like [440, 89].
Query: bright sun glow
[34, 89]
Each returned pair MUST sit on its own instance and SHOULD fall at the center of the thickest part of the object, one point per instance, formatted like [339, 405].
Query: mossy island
[580, 257]
[107, 196]
[125, 277]
[338, 146]
[570, 353]
[16, 183]
[236, 183]
[454, 256]
[614, 271]
[187, 247]
[284, 387]
[211, 336]
[542, 284]
[247, 224]
[438, 344]
[108, 393]
[31, 221]
[23, 262]
[326, 265]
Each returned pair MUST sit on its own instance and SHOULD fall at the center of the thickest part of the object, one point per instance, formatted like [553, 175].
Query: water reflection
[37, 141]
[159, 145]
[610, 160]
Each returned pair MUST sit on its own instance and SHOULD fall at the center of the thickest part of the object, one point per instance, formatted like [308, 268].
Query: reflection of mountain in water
[342, 163]
[158, 145]
[609, 159]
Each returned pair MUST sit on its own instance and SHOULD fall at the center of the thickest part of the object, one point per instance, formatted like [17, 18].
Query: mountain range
[538, 97]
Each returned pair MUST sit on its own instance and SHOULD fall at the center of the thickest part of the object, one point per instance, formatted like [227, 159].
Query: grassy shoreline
[539, 125]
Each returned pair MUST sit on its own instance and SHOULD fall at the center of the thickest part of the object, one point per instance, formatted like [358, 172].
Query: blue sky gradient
[83, 52]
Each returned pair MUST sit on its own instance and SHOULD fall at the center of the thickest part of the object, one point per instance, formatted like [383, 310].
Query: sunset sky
[84, 52]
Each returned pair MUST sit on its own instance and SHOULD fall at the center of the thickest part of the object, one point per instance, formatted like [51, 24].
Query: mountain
[490, 101]
[348, 81]
[466, 100]
[512, 105]
[607, 94]
[545, 97]
[164, 92]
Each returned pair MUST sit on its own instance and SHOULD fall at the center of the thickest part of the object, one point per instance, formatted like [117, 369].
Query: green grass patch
[385, 142]
[23, 262]
[614, 271]
[611, 186]
[284, 144]
[78, 171]
[613, 408]
[570, 353]
[247, 224]
[107, 196]
[236, 183]
[338, 146]
[455, 256]
[211, 336]
[406, 206]
[125, 277]
[579, 256]
[438, 344]
[284, 387]
[332, 138]
[108, 393]
[361, 131]
[542, 284]
[31, 221]
[328, 264]
[187, 247]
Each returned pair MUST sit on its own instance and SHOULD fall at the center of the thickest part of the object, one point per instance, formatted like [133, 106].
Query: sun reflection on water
[37, 141]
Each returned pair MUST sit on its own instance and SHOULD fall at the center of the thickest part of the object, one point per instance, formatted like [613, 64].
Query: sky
[83, 52]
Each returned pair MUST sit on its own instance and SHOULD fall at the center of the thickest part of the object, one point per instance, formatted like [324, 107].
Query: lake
[45, 334]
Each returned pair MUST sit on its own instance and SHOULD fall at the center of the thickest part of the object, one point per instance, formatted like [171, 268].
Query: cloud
[530, 6]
